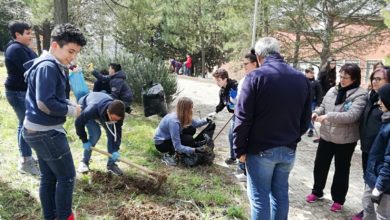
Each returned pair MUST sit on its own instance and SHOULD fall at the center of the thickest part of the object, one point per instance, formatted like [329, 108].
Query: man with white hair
[272, 114]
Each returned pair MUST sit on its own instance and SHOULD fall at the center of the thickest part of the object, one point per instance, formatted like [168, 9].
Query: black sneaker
[113, 168]
[310, 133]
[230, 161]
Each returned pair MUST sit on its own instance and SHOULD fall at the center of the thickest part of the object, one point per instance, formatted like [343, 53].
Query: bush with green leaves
[139, 70]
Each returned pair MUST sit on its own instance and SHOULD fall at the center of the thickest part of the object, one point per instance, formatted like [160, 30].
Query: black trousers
[186, 138]
[342, 155]
[364, 162]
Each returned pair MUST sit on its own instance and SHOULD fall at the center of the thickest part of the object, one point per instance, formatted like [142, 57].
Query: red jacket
[189, 62]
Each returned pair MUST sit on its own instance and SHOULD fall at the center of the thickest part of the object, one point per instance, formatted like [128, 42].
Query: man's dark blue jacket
[15, 56]
[94, 107]
[273, 108]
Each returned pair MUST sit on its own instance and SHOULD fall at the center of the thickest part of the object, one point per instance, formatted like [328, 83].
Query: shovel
[158, 178]
[223, 127]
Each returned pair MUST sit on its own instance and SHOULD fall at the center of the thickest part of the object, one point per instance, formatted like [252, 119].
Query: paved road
[204, 93]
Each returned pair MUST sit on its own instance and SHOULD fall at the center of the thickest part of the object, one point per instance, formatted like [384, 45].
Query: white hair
[266, 46]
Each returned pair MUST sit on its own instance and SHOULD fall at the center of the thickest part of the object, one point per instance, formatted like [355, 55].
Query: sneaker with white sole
[83, 167]
[169, 160]
[241, 177]
[113, 168]
[29, 167]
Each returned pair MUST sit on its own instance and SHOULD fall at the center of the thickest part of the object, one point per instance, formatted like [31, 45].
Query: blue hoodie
[94, 107]
[46, 103]
[15, 56]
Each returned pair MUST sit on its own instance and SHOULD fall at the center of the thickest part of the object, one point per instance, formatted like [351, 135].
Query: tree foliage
[10, 10]
[328, 27]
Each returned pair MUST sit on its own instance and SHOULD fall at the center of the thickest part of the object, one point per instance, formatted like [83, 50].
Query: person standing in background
[16, 54]
[327, 75]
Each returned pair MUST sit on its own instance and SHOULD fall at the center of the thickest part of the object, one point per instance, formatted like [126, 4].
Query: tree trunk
[46, 32]
[37, 32]
[296, 49]
[203, 52]
[102, 43]
[328, 37]
[60, 11]
[265, 18]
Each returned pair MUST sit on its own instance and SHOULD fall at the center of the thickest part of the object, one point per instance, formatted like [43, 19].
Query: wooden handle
[128, 162]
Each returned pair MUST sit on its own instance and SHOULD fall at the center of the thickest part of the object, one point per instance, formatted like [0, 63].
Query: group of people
[271, 108]
[182, 68]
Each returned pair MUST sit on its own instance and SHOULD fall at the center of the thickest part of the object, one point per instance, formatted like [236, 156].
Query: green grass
[206, 192]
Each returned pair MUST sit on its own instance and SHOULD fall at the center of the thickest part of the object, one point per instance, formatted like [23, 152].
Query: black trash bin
[153, 98]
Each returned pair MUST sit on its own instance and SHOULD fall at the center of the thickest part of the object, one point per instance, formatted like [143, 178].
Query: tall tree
[195, 27]
[10, 10]
[61, 11]
[330, 28]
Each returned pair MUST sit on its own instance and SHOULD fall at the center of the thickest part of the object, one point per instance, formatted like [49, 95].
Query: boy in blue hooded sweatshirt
[377, 176]
[46, 111]
[101, 107]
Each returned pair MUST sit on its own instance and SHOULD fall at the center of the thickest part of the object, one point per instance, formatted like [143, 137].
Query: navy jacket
[273, 108]
[378, 165]
[100, 85]
[370, 123]
[119, 88]
[224, 97]
[15, 56]
[94, 107]
[46, 102]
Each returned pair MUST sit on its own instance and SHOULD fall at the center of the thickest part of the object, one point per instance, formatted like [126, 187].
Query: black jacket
[316, 91]
[224, 98]
[327, 79]
[119, 88]
[370, 123]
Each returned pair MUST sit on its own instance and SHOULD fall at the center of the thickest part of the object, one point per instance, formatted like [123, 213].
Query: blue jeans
[17, 100]
[94, 133]
[267, 174]
[230, 137]
[57, 172]
[313, 106]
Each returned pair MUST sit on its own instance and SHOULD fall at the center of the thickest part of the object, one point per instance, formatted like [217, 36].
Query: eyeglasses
[377, 79]
[344, 77]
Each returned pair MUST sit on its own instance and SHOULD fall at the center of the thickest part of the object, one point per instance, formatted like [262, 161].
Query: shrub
[139, 71]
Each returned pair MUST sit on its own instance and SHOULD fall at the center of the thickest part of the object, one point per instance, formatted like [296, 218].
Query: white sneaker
[29, 167]
[83, 167]
[241, 177]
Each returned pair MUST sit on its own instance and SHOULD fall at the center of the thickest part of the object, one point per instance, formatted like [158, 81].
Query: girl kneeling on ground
[175, 133]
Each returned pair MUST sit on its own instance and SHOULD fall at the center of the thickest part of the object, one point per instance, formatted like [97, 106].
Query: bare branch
[109, 6]
[118, 4]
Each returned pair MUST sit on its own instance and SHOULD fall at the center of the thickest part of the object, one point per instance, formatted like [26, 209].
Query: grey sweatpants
[373, 211]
